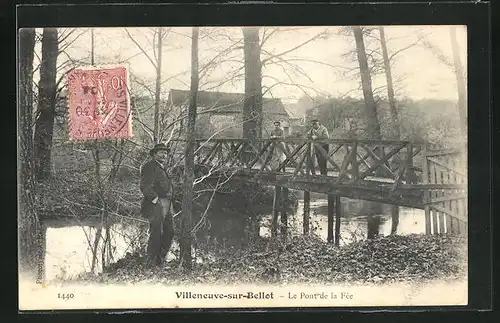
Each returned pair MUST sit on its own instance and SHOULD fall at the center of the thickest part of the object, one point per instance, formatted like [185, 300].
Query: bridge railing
[349, 160]
[445, 171]
[438, 175]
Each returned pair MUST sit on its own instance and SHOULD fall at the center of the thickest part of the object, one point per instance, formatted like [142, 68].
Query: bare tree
[455, 65]
[390, 86]
[373, 125]
[44, 123]
[31, 252]
[159, 35]
[187, 202]
[228, 58]
[375, 57]
[438, 53]
[252, 108]
[394, 114]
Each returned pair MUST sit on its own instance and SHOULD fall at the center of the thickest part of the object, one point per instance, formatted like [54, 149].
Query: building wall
[226, 125]
[231, 125]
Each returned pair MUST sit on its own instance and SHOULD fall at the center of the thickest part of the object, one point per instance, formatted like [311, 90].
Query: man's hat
[277, 122]
[157, 147]
[314, 120]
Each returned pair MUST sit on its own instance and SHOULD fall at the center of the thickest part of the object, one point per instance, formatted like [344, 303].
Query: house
[298, 127]
[221, 113]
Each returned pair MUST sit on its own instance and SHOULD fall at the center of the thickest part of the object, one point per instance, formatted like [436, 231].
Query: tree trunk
[373, 126]
[158, 88]
[396, 134]
[459, 74]
[390, 85]
[372, 123]
[31, 232]
[44, 123]
[252, 108]
[187, 202]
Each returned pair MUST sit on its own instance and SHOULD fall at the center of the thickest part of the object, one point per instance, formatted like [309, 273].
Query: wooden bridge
[393, 172]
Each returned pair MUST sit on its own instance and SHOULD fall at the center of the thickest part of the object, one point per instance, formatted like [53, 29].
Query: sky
[323, 62]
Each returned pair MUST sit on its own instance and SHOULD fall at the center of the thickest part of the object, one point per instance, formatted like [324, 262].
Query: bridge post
[434, 221]
[441, 222]
[456, 226]
[276, 208]
[449, 226]
[338, 210]
[411, 177]
[284, 215]
[425, 179]
[435, 214]
[331, 202]
[394, 218]
[463, 227]
[306, 214]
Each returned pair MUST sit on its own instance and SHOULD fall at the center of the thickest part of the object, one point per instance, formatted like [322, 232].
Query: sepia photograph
[241, 167]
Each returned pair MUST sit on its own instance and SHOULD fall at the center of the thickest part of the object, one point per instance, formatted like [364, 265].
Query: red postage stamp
[99, 104]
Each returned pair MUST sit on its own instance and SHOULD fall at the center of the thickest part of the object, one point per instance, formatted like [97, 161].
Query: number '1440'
[65, 296]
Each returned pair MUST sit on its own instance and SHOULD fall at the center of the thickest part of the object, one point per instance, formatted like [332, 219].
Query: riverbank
[392, 259]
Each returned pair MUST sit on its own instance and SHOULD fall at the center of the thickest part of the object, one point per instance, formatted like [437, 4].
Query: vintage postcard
[242, 167]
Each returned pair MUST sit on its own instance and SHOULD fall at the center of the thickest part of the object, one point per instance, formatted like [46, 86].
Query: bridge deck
[371, 188]
[392, 172]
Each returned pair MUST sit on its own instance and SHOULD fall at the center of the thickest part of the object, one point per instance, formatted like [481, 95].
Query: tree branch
[140, 47]
[322, 34]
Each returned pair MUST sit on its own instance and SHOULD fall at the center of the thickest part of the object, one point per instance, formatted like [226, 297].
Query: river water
[69, 251]
[352, 227]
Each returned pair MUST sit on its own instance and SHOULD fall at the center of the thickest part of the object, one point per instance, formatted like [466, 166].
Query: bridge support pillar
[394, 218]
[427, 195]
[434, 222]
[441, 222]
[331, 205]
[338, 210]
[277, 203]
[306, 214]
[284, 215]
[427, 220]
[449, 225]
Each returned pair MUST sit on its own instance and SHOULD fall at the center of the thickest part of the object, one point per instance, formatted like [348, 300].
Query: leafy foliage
[411, 258]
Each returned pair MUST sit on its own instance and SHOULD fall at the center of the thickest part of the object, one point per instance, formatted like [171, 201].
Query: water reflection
[352, 228]
[69, 244]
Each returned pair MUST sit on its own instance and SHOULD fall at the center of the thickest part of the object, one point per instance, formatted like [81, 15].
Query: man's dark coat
[154, 183]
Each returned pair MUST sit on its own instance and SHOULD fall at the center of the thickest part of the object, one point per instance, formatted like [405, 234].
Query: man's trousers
[161, 233]
[322, 160]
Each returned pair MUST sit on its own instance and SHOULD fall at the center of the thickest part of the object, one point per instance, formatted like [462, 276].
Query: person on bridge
[278, 155]
[157, 189]
[319, 133]
[277, 132]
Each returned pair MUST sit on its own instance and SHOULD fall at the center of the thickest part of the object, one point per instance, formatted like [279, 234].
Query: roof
[223, 102]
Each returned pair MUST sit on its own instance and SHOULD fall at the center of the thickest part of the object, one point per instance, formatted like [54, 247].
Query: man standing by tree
[157, 189]
[320, 133]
